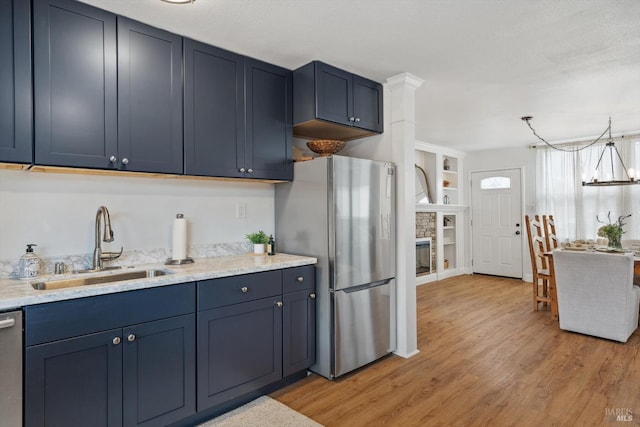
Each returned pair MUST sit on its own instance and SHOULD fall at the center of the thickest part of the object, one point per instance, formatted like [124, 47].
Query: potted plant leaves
[259, 239]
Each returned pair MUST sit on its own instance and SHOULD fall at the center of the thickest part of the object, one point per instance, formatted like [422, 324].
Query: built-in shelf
[443, 165]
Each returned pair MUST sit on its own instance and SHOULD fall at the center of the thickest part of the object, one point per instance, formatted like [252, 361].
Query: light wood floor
[486, 359]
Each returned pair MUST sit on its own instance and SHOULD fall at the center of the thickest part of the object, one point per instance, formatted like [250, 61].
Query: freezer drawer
[365, 328]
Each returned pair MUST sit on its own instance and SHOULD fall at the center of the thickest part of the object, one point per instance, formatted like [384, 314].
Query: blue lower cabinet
[298, 331]
[139, 370]
[75, 382]
[253, 330]
[159, 375]
[149, 358]
[239, 350]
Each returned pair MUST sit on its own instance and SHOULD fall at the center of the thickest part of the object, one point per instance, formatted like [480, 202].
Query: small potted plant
[259, 239]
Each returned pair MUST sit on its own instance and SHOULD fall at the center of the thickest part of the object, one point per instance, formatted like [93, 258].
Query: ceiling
[485, 63]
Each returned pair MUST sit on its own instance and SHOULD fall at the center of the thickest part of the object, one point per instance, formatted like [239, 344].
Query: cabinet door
[269, 121]
[239, 350]
[149, 98]
[298, 332]
[16, 143]
[74, 58]
[75, 382]
[159, 378]
[334, 94]
[367, 104]
[213, 111]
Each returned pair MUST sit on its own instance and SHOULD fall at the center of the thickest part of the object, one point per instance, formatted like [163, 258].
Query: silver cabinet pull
[131, 338]
[312, 296]
[300, 279]
[116, 341]
[357, 119]
[352, 119]
[113, 159]
[125, 161]
[244, 289]
[250, 170]
[243, 170]
[279, 304]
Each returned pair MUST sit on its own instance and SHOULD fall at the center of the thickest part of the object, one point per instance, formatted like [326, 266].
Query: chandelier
[597, 179]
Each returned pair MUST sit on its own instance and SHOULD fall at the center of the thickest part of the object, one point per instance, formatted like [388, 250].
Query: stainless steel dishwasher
[11, 368]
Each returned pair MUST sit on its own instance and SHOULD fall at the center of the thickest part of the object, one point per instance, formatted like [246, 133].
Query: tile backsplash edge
[10, 268]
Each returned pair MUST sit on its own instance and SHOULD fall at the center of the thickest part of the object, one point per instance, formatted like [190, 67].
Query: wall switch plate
[241, 210]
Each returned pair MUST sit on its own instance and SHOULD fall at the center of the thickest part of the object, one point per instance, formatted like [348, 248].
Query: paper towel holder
[187, 260]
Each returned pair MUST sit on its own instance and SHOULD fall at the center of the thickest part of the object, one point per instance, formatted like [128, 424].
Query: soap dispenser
[29, 263]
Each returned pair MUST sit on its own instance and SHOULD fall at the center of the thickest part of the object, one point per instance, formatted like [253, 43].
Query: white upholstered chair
[596, 295]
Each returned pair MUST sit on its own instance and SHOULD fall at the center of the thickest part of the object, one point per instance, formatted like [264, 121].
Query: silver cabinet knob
[244, 289]
[113, 159]
[357, 119]
[279, 304]
[131, 338]
[312, 296]
[300, 279]
[352, 119]
[243, 170]
[250, 170]
[116, 341]
[125, 161]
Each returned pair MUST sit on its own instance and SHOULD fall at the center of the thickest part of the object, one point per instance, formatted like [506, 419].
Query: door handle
[7, 323]
[518, 233]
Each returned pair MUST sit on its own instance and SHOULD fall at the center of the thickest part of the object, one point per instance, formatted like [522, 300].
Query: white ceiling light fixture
[179, 1]
[614, 157]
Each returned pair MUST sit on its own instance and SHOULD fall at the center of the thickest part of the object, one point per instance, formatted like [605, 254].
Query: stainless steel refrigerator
[342, 211]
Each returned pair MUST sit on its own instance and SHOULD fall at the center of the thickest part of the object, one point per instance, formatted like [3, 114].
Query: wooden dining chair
[539, 262]
[550, 237]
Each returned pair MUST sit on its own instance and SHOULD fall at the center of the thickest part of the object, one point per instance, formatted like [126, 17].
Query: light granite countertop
[18, 293]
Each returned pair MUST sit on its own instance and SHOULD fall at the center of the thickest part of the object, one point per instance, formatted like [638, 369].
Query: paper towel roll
[179, 238]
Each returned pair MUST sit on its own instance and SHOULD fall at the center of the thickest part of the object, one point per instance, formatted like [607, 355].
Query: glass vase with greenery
[613, 230]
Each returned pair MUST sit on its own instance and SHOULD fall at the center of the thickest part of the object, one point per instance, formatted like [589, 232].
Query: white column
[402, 89]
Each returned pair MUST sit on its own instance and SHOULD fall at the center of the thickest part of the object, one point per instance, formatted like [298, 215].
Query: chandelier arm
[621, 162]
[562, 149]
[595, 171]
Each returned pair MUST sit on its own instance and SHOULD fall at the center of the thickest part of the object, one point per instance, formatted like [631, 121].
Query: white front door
[496, 222]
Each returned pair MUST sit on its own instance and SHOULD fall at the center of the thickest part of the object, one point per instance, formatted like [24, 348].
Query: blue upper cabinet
[237, 115]
[108, 91]
[214, 122]
[16, 137]
[75, 80]
[330, 103]
[268, 148]
[149, 98]
[109, 95]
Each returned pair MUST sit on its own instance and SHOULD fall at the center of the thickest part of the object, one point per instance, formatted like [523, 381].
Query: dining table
[553, 298]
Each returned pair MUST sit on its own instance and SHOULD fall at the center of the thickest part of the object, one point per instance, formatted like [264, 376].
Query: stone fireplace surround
[426, 227]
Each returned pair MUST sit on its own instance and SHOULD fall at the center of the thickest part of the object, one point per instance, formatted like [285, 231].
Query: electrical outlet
[241, 210]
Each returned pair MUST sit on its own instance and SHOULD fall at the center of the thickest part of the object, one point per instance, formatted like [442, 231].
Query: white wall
[506, 158]
[57, 211]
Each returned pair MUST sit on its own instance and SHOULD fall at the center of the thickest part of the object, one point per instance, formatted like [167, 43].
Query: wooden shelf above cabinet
[318, 129]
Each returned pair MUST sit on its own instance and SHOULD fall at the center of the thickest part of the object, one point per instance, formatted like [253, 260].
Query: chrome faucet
[98, 256]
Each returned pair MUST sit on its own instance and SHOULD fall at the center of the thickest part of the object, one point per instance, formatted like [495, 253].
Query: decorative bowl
[326, 147]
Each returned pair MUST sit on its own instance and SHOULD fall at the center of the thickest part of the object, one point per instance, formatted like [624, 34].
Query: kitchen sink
[94, 280]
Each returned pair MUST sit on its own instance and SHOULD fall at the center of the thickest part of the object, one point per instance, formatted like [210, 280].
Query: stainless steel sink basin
[94, 280]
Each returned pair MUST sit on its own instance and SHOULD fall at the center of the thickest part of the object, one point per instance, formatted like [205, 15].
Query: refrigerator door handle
[365, 286]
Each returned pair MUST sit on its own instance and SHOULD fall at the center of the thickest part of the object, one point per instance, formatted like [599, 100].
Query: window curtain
[559, 190]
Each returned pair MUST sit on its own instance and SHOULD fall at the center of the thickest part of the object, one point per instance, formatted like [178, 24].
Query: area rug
[263, 412]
